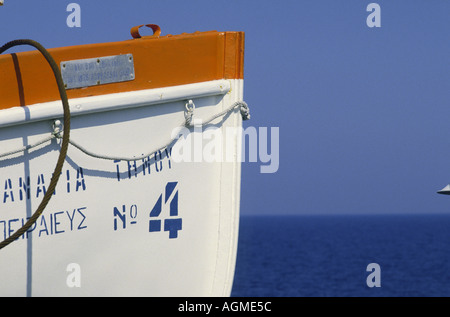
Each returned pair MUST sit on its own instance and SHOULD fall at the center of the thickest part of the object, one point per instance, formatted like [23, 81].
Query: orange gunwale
[159, 61]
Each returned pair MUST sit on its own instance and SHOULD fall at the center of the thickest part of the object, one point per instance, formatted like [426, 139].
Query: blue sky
[363, 113]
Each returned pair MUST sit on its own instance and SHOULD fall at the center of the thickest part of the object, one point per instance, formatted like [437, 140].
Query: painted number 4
[167, 200]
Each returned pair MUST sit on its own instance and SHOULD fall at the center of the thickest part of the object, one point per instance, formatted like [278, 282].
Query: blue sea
[327, 256]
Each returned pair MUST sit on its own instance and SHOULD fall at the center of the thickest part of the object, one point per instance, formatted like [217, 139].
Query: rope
[28, 147]
[245, 112]
[188, 123]
[64, 143]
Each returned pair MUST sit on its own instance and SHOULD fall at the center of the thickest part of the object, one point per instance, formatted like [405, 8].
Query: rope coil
[65, 139]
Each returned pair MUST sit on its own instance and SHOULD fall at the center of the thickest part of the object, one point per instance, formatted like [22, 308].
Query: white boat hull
[151, 227]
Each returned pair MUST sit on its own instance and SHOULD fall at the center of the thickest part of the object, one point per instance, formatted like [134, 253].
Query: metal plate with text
[97, 71]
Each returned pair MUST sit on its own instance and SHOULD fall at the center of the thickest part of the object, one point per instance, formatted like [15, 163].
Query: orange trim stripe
[171, 60]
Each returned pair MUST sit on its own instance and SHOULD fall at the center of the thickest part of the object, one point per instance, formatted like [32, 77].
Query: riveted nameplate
[97, 71]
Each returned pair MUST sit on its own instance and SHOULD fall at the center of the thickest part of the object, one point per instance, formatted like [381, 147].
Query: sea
[343, 256]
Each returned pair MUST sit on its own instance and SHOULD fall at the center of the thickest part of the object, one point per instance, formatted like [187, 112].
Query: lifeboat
[146, 202]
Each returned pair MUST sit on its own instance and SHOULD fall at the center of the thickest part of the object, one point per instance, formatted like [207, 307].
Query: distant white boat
[143, 226]
[445, 190]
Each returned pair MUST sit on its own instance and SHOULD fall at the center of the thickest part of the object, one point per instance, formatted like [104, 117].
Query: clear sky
[363, 113]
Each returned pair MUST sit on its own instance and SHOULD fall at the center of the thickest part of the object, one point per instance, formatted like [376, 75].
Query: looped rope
[189, 113]
[57, 125]
[243, 107]
[65, 138]
[245, 111]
